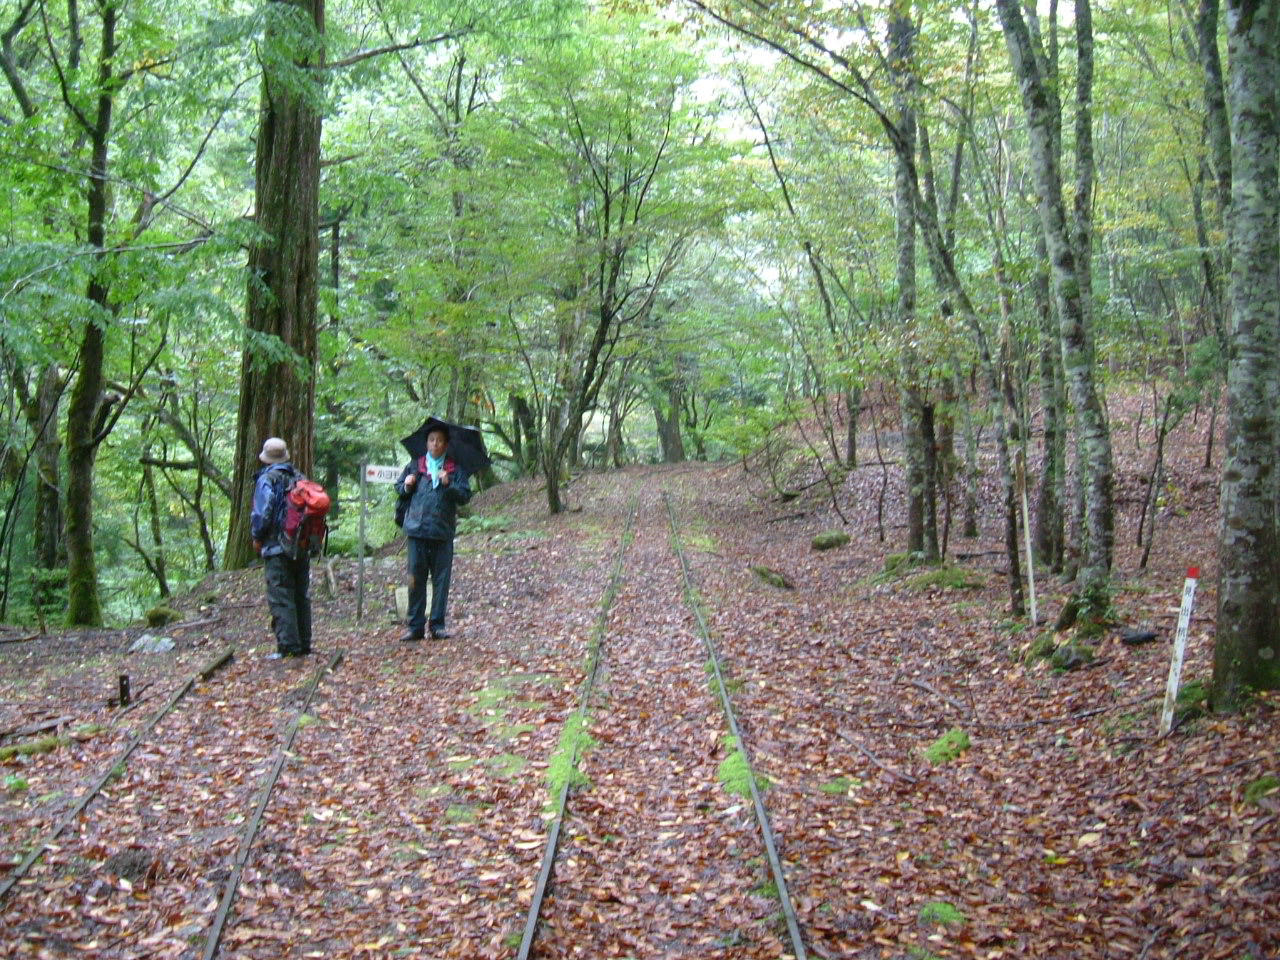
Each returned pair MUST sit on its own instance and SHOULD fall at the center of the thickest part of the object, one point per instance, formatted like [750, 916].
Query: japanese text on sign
[376, 474]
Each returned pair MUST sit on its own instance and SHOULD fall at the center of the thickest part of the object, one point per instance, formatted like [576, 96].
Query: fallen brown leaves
[411, 817]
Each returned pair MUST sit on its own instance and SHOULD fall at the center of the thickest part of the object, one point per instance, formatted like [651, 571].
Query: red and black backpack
[301, 523]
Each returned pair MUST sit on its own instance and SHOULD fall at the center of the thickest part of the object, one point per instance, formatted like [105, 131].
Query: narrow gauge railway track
[726, 705]
[157, 822]
[633, 866]
[584, 700]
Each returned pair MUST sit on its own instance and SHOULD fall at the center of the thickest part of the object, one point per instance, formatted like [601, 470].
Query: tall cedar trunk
[1072, 313]
[911, 402]
[84, 608]
[666, 412]
[278, 398]
[1246, 652]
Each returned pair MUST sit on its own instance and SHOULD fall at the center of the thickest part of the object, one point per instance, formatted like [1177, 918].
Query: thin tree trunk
[42, 417]
[901, 34]
[1049, 531]
[86, 405]
[852, 407]
[1070, 290]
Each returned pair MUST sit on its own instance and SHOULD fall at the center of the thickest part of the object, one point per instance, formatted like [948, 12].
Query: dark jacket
[269, 486]
[432, 513]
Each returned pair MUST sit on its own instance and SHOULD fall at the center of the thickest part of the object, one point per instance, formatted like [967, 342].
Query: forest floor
[412, 810]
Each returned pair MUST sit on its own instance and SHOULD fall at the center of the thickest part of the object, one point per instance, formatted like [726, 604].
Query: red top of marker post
[1193, 573]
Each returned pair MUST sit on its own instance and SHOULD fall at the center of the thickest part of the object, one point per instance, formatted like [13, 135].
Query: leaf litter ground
[410, 819]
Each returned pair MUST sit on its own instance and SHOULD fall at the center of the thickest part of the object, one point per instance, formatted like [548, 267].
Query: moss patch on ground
[506, 765]
[1262, 787]
[948, 578]
[830, 540]
[840, 786]
[947, 747]
[734, 772]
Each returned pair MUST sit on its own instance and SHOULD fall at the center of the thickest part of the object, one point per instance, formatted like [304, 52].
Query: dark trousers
[434, 559]
[289, 597]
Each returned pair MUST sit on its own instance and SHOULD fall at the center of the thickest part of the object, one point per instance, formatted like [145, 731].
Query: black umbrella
[466, 444]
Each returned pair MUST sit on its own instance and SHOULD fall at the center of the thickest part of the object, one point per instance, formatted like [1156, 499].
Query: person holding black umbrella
[431, 489]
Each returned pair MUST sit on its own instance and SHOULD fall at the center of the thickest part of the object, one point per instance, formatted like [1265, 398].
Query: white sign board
[1179, 650]
[376, 474]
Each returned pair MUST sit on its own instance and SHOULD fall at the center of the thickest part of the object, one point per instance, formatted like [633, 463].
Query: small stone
[151, 644]
[773, 577]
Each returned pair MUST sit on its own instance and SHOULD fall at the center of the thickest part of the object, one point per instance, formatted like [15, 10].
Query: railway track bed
[416, 811]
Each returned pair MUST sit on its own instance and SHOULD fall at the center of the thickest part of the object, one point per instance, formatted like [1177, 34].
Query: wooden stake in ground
[1179, 649]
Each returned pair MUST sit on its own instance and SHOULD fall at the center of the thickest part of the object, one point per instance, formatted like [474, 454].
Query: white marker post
[1021, 482]
[1179, 650]
[369, 473]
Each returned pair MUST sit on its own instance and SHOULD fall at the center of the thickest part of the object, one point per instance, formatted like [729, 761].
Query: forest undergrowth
[410, 816]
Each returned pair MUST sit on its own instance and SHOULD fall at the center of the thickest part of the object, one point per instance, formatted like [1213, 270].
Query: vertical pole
[1026, 536]
[1179, 649]
[124, 690]
[364, 509]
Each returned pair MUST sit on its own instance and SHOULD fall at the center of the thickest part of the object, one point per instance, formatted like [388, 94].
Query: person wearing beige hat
[288, 578]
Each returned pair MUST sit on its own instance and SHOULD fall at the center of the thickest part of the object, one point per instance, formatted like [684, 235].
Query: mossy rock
[947, 747]
[772, 577]
[1042, 648]
[899, 563]
[948, 578]
[1262, 787]
[830, 540]
[162, 616]
[1072, 656]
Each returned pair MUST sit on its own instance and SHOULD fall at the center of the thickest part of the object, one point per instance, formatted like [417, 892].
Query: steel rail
[38, 851]
[597, 647]
[251, 829]
[722, 694]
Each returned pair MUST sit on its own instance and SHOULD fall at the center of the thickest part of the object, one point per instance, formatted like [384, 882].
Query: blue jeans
[433, 559]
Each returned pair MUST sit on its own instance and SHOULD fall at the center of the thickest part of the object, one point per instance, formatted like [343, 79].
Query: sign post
[1179, 649]
[364, 510]
[369, 473]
